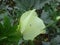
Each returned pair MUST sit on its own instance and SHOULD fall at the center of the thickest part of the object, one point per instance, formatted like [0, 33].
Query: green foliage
[12, 12]
[8, 33]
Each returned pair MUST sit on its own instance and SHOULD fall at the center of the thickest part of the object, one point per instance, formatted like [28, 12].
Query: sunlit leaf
[58, 17]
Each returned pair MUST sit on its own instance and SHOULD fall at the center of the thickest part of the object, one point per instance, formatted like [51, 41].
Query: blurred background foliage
[10, 12]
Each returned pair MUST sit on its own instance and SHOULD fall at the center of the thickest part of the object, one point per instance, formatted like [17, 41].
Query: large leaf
[30, 4]
[31, 25]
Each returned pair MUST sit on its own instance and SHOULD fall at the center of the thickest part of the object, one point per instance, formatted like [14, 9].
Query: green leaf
[58, 17]
[7, 23]
[31, 25]
[1, 27]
